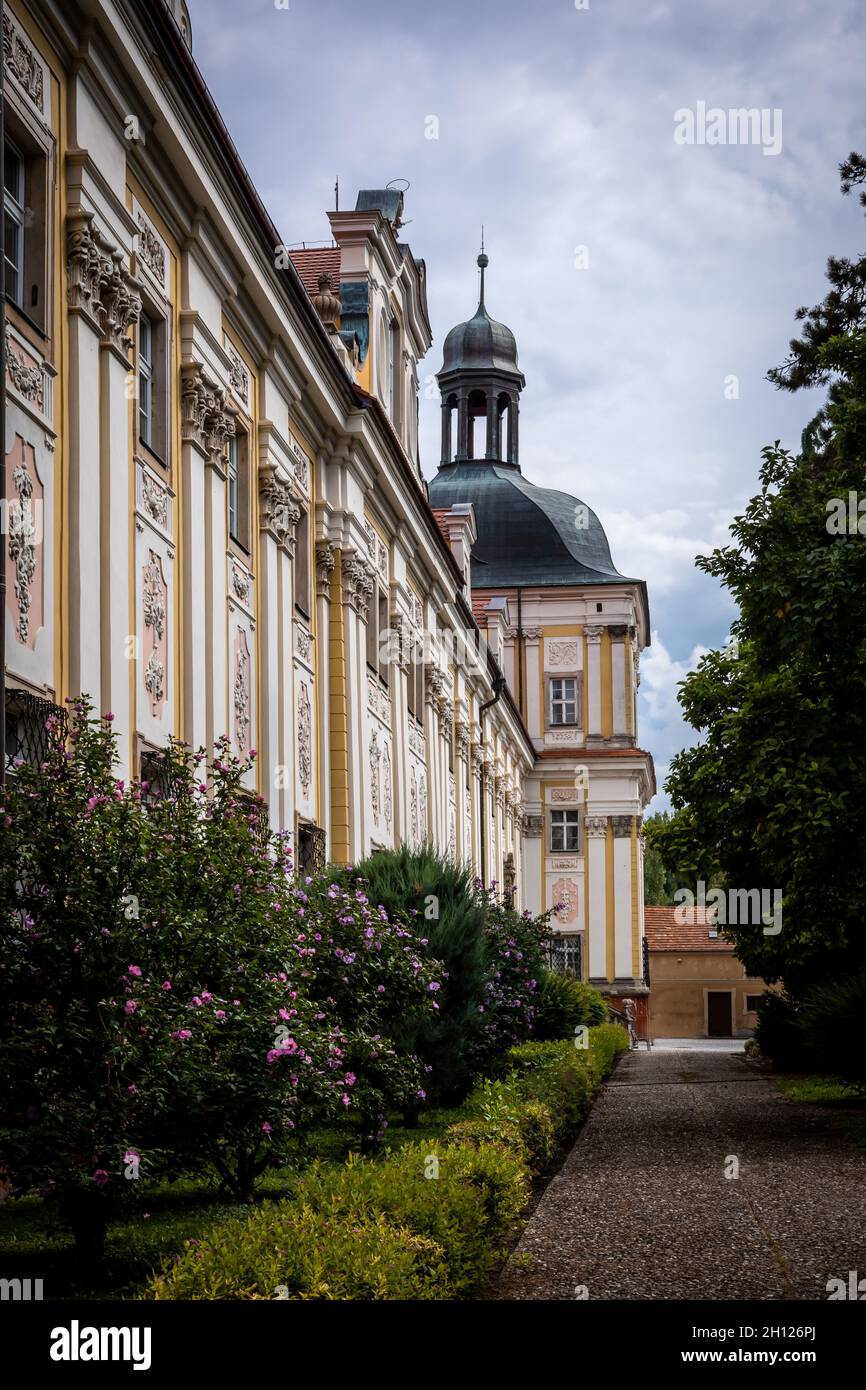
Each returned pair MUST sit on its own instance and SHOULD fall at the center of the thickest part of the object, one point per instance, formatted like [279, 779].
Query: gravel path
[642, 1208]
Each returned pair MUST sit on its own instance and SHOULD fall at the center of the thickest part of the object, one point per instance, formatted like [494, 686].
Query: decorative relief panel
[239, 377]
[155, 614]
[422, 805]
[621, 826]
[564, 794]
[242, 692]
[378, 700]
[154, 499]
[25, 372]
[413, 806]
[305, 739]
[563, 655]
[303, 642]
[374, 761]
[417, 741]
[301, 464]
[388, 797]
[564, 861]
[151, 252]
[565, 737]
[241, 582]
[596, 826]
[565, 893]
[25, 554]
[22, 62]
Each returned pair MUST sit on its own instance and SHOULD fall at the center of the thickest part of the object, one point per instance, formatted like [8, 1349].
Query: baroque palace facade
[217, 522]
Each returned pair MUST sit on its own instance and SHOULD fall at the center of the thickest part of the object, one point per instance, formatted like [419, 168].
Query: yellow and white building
[216, 518]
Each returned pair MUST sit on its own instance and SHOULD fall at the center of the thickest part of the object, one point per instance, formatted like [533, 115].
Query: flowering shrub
[516, 949]
[370, 970]
[163, 1003]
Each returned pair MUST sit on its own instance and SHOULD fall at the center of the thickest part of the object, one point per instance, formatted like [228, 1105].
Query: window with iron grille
[310, 858]
[566, 955]
[27, 738]
[153, 771]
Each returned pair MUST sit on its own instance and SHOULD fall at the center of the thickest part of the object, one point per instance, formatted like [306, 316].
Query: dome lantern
[480, 379]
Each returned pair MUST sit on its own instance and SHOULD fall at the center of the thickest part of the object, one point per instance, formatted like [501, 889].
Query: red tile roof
[439, 515]
[665, 933]
[311, 262]
[479, 610]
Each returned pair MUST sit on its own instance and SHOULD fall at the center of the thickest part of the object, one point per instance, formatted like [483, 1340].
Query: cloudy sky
[639, 274]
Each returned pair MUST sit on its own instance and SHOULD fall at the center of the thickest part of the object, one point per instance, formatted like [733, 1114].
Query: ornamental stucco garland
[22, 548]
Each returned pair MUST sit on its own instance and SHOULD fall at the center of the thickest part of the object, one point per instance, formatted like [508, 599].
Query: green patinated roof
[527, 535]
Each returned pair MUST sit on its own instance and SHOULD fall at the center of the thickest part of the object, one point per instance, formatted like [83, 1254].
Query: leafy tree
[660, 880]
[775, 793]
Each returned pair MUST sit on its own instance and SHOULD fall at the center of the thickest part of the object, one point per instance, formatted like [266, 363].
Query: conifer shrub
[564, 1003]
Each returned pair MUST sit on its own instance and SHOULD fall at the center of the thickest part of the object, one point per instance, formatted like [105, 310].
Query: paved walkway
[642, 1208]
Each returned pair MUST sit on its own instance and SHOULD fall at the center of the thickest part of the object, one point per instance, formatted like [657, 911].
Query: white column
[620, 694]
[114, 507]
[84, 577]
[623, 895]
[593, 679]
[596, 927]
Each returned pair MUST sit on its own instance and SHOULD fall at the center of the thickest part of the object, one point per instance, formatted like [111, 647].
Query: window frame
[15, 215]
[153, 370]
[301, 562]
[238, 489]
[563, 702]
[564, 825]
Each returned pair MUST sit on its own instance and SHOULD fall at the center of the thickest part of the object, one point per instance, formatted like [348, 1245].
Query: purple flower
[130, 1006]
[181, 1034]
[100, 1177]
[134, 970]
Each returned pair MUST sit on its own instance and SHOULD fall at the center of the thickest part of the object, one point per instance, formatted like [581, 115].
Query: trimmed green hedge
[427, 1222]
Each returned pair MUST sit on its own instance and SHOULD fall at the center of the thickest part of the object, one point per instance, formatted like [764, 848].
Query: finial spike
[482, 263]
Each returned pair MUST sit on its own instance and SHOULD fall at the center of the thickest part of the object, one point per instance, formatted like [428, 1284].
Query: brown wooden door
[719, 1014]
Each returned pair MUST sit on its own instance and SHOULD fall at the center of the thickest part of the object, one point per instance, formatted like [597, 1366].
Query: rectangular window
[302, 564]
[13, 201]
[382, 636]
[564, 831]
[563, 700]
[152, 384]
[752, 1002]
[145, 380]
[27, 221]
[239, 489]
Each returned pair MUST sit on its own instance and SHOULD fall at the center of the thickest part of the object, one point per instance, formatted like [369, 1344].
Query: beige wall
[680, 983]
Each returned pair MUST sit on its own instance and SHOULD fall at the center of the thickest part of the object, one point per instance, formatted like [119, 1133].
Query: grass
[831, 1095]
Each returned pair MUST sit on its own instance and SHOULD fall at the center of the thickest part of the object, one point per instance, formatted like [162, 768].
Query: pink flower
[166, 984]
[132, 1090]
[220, 1013]
[351, 1078]
[182, 1034]
[380, 989]
[196, 1001]
[108, 717]
[134, 970]
[206, 997]
[345, 1098]
[100, 1177]
[266, 1129]
[130, 1006]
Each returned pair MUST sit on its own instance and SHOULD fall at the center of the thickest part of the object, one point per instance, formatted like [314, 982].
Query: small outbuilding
[698, 987]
